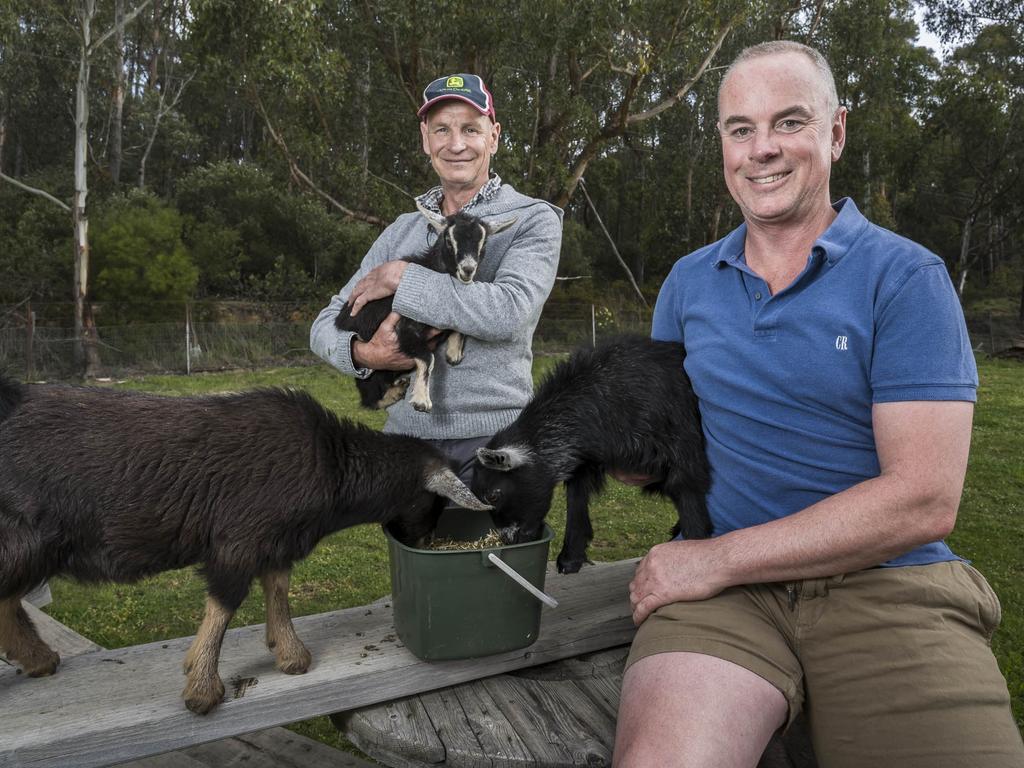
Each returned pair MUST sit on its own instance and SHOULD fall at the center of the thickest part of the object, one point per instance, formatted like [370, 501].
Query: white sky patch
[926, 38]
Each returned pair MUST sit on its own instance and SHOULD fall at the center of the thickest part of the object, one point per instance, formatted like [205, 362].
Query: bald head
[825, 79]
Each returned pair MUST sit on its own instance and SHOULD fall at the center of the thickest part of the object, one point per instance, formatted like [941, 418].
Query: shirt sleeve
[328, 342]
[667, 322]
[491, 311]
[922, 350]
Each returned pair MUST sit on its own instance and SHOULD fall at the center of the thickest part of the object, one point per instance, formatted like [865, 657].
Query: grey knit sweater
[498, 313]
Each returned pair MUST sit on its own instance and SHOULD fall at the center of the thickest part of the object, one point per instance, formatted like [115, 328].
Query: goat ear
[446, 483]
[495, 227]
[437, 221]
[503, 459]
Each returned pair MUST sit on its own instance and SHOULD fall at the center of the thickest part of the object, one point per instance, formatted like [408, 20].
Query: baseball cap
[467, 88]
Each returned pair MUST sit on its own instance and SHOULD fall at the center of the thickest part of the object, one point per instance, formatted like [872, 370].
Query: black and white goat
[104, 485]
[458, 251]
[626, 405]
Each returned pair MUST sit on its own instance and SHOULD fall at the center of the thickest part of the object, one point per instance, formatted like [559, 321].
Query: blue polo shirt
[786, 382]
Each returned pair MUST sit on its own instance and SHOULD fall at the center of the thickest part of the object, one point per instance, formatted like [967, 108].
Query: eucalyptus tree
[975, 135]
[83, 14]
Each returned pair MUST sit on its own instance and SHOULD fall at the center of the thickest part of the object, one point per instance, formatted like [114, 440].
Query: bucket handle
[513, 574]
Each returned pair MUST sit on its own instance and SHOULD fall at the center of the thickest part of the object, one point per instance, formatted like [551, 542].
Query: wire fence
[38, 344]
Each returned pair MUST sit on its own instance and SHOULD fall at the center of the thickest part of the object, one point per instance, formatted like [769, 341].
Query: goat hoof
[454, 359]
[569, 565]
[41, 666]
[297, 664]
[200, 698]
[422, 407]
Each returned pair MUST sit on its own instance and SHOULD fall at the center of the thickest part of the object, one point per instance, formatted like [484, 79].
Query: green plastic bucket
[457, 604]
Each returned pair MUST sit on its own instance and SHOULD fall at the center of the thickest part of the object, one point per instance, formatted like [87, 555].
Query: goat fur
[105, 485]
[626, 405]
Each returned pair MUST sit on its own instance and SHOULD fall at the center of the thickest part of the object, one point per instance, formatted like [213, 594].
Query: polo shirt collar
[847, 228]
[833, 243]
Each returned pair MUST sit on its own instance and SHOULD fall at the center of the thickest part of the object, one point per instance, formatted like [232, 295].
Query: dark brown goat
[104, 485]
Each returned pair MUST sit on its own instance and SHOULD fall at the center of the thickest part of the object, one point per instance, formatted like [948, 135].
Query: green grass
[350, 567]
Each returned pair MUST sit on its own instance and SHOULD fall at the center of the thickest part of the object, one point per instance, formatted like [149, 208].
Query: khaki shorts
[892, 666]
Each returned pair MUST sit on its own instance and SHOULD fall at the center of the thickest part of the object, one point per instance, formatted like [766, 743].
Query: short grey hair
[774, 47]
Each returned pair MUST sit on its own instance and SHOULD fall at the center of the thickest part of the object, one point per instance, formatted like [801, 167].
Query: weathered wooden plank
[168, 760]
[558, 723]
[604, 692]
[401, 722]
[297, 751]
[40, 596]
[493, 731]
[272, 748]
[448, 719]
[110, 706]
[584, 666]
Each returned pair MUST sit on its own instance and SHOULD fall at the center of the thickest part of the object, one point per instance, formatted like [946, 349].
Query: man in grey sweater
[497, 313]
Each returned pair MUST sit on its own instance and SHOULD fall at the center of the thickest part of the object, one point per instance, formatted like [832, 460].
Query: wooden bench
[104, 707]
[271, 748]
[559, 715]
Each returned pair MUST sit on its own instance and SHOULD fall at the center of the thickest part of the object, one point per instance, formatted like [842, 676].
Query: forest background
[157, 153]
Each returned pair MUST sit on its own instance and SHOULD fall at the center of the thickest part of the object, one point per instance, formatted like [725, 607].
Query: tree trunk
[118, 95]
[3, 134]
[965, 247]
[80, 221]
[1020, 313]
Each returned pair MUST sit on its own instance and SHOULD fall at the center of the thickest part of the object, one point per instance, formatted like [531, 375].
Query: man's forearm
[866, 525]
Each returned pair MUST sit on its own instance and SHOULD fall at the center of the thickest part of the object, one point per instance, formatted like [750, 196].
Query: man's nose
[763, 146]
[457, 142]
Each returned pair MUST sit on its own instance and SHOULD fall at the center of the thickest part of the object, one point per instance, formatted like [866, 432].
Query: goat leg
[578, 530]
[20, 641]
[291, 655]
[204, 689]
[421, 387]
[454, 346]
[394, 393]
[694, 521]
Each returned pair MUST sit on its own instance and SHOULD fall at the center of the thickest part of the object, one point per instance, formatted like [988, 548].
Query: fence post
[593, 326]
[30, 330]
[991, 337]
[188, 339]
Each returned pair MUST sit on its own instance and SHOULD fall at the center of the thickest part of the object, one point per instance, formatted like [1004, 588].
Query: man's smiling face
[779, 138]
[459, 141]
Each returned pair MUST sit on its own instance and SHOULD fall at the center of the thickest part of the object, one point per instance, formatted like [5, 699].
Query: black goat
[458, 251]
[105, 485]
[626, 405]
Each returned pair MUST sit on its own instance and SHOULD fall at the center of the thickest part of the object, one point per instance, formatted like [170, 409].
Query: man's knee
[694, 709]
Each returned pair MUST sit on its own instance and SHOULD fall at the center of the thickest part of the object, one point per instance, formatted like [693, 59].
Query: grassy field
[350, 567]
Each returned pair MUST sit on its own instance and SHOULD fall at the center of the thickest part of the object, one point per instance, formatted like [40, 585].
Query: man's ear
[495, 136]
[838, 133]
[423, 137]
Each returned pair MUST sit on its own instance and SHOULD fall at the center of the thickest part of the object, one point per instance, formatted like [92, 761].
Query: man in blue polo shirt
[836, 385]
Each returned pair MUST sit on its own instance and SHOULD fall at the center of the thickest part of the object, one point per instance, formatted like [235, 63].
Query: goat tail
[11, 394]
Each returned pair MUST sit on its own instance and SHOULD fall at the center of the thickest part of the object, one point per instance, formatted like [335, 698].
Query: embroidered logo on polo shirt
[841, 342]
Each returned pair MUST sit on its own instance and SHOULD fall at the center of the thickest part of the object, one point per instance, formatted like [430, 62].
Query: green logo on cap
[454, 82]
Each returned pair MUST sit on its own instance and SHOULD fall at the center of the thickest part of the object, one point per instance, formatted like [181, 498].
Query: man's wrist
[359, 362]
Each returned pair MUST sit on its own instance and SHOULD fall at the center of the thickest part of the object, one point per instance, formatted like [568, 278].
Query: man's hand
[378, 283]
[381, 353]
[673, 572]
